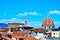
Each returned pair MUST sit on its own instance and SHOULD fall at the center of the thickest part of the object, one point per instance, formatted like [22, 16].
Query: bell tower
[26, 19]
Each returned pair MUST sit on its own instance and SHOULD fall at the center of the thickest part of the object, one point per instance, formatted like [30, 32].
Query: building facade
[55, 33]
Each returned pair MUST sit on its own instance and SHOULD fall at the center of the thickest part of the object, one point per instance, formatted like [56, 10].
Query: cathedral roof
[48, 22]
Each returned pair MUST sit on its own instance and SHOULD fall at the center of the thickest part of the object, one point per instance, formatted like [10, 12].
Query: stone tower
[26, 19]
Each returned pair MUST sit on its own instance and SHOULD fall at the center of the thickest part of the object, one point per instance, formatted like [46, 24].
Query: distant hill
[2, 25]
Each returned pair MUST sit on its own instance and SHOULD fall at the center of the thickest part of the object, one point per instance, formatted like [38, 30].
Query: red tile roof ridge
[50, 22]
[30, 38]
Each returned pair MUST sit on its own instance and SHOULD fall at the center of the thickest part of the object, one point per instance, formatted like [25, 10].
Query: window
[29, 33]
[21, 39]
[45, 26]
[48, 36]
[9, 36]
[54, 33]
[11, 29]
[53, 36]
[49, 27]
[45, 36]
[0, 36]
[36, 33]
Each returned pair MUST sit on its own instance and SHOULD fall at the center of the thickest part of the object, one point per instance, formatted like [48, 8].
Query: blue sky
[36, 11]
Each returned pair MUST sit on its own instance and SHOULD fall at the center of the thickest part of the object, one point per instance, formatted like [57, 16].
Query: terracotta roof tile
[30, 38]
[16, 36]
[38, 29]
[48, 22]
[4, 29]
[8, 38]
[24, 32]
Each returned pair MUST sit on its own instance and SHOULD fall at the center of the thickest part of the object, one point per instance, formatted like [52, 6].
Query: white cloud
[28, 13]
[22, 14]
[10, 20]
[54, 12]
[3, 21]
[32, 13]
[13, 20]
[57, 22]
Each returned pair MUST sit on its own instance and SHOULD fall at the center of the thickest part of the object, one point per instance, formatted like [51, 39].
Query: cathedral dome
[48, 22]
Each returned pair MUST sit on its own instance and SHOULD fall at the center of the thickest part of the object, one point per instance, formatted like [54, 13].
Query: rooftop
[48, 22]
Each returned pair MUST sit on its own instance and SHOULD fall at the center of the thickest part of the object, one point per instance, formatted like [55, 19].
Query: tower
[26, 21]
[9, 31]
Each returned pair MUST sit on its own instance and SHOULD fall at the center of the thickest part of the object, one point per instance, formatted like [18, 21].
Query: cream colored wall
[56, 34]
